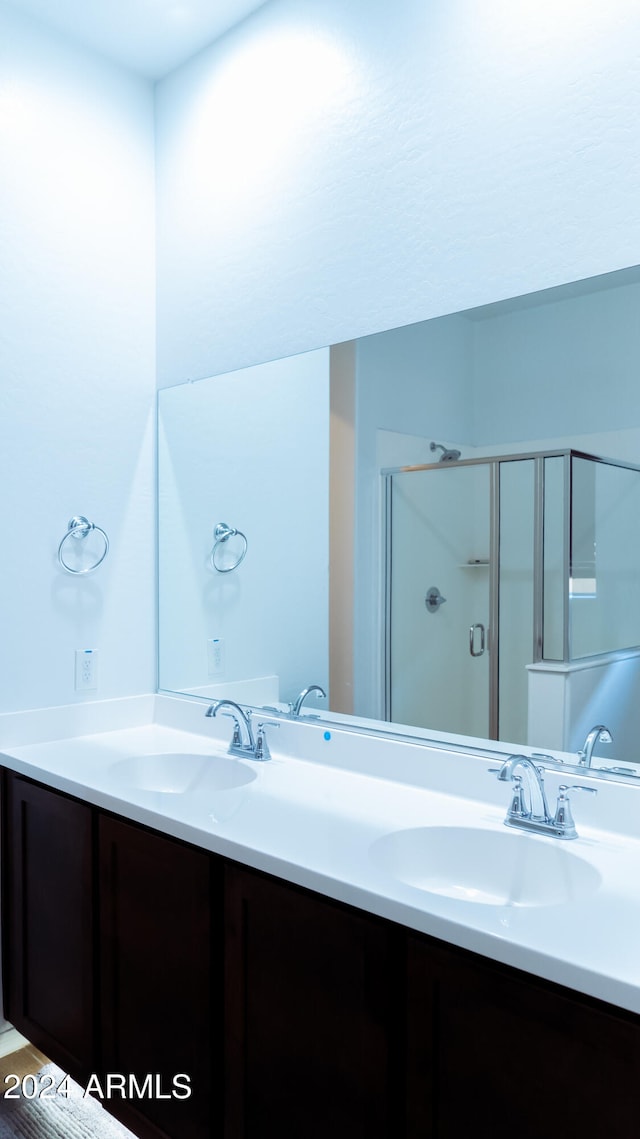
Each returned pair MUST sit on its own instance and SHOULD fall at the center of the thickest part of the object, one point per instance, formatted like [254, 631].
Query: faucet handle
[518, 808]
[262, 747]
[236, 739]
[563, 818]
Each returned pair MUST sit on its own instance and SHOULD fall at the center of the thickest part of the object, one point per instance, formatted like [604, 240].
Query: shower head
[449, 454]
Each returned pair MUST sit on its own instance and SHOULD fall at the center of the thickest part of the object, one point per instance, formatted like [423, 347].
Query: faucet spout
[300, 699]
[240, 717]
[534, 784]
[599, 733]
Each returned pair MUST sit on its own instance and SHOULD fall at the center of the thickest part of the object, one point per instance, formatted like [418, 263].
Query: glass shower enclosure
[496, 563]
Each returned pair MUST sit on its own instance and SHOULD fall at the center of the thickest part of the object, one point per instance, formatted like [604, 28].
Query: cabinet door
[48, 921]
[160, 1010]
[494, 1052]
[310, 1015]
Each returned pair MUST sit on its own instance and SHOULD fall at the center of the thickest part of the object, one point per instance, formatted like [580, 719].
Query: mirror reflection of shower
[537, 556]
[449, 454]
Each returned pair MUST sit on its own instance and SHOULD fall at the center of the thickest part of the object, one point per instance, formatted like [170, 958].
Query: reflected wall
[249, 449]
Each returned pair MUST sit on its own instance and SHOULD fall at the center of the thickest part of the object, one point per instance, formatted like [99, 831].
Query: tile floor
[27, 1062]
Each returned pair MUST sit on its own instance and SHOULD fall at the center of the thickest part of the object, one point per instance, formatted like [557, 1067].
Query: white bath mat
[58, 1117]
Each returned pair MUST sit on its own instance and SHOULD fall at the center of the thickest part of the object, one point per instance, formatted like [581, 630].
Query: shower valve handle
[434, 599]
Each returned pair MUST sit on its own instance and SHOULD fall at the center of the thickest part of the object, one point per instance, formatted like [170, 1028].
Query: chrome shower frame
[494, 461]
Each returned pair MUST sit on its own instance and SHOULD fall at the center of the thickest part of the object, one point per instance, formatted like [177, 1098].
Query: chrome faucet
[529, 809]
[534, 804]
[256, 747]
[296, 707]
[600, 733]
[239, 716]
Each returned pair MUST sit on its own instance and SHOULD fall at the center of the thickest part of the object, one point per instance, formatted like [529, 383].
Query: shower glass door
[438, 598]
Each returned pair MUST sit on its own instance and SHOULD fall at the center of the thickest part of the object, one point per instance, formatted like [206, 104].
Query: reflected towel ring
[79, 527]
[221, 534]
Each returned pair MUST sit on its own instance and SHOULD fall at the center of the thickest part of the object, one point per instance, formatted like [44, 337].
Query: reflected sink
[491, 868]
[172, 773]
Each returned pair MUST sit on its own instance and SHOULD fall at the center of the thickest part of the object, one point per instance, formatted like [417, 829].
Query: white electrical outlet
[215, 656]
[86, 670]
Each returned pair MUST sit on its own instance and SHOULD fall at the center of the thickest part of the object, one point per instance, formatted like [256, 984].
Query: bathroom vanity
[260, 940]
[111, 952]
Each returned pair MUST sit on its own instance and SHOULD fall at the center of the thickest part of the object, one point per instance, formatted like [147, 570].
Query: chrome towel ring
[221, 534]
[79, 528]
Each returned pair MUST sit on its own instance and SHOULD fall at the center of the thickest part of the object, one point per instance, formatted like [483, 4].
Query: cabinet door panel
[492, 1051]
[160, 1009]
[48, 967]
[310, 1018]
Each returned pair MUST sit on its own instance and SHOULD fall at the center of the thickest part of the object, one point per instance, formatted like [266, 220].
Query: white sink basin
[492, 868]
[178, 774]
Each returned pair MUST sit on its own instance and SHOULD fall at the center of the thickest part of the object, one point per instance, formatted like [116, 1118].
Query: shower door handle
[472, 639]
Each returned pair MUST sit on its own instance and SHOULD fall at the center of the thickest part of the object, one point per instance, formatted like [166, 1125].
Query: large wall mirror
[438, 524]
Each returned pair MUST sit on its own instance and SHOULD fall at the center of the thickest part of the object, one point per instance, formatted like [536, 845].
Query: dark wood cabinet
[492, 1051]
[48, 921]
[160, 955]
[313, 1020]
[131, 954]
[112, 958]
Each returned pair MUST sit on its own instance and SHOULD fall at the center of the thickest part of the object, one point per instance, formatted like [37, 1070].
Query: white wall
[330, 169]
[564, 368]
[250, 449]
[325, 170]
[76, 365]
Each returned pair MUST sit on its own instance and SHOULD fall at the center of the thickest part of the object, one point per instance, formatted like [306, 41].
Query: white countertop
[313, 822]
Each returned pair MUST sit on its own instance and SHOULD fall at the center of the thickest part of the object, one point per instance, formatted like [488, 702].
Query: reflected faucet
[239, 716]
[600, 733]
[296, 707]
